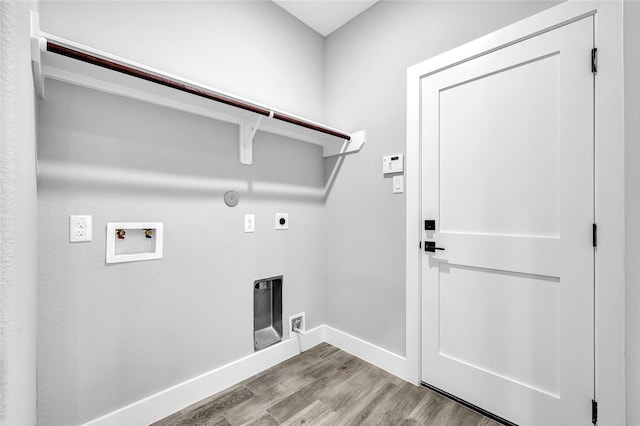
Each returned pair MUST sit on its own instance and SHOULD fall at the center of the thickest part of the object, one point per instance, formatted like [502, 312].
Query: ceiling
[325, 16]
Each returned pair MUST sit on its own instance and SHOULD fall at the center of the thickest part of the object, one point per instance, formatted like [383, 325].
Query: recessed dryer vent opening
[267, 312]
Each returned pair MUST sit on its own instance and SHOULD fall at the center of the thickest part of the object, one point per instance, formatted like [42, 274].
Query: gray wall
[165, 321]
[252, 49]
[632, 206]
[365, 88]
[112, 334]
[18, 218]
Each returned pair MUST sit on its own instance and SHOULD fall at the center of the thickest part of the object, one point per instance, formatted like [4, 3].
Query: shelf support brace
[37, 44]
[248, 129]
[347, 147]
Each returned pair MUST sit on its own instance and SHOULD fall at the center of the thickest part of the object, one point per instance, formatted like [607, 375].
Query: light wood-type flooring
[325, 386]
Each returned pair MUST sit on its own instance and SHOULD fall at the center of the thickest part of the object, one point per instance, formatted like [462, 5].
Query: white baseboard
[168, 401]
[393, 363]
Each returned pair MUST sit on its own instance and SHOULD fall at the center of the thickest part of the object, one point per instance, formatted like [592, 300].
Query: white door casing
[507, 173]
[609, 188]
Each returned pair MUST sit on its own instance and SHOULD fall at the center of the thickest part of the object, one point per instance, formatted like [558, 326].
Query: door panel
[515, 321]
[522, 154]
[507, 173]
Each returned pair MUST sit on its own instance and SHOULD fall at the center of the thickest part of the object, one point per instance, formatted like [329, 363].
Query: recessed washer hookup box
[133, 241]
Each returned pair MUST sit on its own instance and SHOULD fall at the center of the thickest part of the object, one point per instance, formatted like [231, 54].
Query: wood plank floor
[325, 386]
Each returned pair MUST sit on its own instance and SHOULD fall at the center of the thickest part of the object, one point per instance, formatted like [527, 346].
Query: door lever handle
[430, 246]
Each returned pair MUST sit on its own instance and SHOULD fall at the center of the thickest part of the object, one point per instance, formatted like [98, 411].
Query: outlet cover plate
[303, 327]
[398, 184]
[249, 223]
[80, 228]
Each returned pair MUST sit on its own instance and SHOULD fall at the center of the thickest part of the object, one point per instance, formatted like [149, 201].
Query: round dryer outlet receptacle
[282, 221]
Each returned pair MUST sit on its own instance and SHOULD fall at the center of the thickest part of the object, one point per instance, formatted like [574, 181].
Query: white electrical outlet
[80, 228]
[249, 223]
[297, 321]
[282, 221]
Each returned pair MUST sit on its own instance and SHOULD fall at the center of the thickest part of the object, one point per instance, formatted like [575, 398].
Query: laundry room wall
[365, 88]
[18, 217]
[112, 334]
[252, 49]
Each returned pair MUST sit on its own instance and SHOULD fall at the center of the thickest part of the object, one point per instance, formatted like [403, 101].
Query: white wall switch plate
[392, 164]
[80, 228]
[249, 223]
[282, 221]
[398, 184]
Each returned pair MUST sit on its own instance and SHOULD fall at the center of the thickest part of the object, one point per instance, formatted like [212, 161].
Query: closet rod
[174, 84]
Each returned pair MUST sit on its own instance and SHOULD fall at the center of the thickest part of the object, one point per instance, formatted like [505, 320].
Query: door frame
[608, 187]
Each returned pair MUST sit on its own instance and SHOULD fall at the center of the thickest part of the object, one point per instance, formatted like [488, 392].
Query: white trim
[413, 251]
[168, 401]
[394, 364]
[609, 185]
[609, 214]
[175, 398]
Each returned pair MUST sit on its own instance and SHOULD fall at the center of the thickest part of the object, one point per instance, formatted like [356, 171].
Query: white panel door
[507, 174]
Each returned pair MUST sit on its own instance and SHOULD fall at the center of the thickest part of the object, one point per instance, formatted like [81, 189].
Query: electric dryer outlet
[282, 221]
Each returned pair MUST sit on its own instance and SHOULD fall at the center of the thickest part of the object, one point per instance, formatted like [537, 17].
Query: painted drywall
[632, 207]
[134, 329]
[366, 221]
[252, 49]
[112, 334]
[18, 218]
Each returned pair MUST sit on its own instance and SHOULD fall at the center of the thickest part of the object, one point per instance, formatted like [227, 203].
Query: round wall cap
[231, 198]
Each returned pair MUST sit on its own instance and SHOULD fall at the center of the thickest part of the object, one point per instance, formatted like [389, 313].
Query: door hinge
[420, 245]
[595, 235]
[594, 60]
[594, 411]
